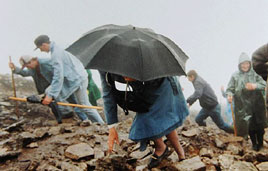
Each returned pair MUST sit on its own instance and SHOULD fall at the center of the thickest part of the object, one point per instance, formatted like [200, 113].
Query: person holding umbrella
[69, 77]
[147, 62]
[167, 111]
[246, 87]
[208, 101]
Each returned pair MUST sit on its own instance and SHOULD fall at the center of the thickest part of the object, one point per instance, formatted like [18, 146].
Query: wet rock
[262, 156]
[262, 166]
[249, 157]
[204, 152]
[41, 132]
[14, 126]
[27, 138]
[32, 145]
[78, 151]
[234, 149]
[192, 164]
[54, 130]
[190, 133]
[47, 167]
[6, 104]
[3, 133]
[225, 161]
[242, 165]
[5, 154]
[98, 153]
[219, 143]
[68, 166]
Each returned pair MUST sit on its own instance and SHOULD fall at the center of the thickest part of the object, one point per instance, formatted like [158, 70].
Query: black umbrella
[129, 51]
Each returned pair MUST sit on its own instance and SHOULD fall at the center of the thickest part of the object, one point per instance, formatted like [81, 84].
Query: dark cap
[40, 40]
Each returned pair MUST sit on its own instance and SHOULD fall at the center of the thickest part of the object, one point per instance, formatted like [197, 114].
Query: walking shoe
[156, 160]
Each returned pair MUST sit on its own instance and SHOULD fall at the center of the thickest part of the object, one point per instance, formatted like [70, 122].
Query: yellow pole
[61, 103]
[232, 109]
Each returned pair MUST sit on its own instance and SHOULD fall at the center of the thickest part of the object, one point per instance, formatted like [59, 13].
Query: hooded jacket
[249, 104]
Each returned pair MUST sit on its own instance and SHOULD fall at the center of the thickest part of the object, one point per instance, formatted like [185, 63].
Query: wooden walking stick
[232, 109]
[14, 88]
[61, 103]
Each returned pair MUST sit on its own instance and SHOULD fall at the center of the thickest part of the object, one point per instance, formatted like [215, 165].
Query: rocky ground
[31, 139]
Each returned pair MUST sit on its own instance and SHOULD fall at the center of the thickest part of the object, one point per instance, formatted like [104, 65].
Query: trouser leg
[215, 114]
[260, 134]
[253, 138]
[82, 98]
[202, 115]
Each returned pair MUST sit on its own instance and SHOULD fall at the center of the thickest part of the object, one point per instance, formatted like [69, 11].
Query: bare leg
[174, 140]
[160, 146]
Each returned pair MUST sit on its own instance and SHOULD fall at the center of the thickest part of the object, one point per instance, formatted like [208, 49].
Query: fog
[212, 33]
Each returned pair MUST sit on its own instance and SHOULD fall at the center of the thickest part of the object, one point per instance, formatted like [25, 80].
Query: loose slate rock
[78, 151]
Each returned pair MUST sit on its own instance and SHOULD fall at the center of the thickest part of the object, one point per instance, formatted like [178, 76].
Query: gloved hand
[113, 136]
[34, 99]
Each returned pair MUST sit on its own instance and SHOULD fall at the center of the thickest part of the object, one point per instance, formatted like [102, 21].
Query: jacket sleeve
[259, 60]
[58, 77]
[261, 84]
[23, 72]
[231, 87]
[110, 106]
[199, 88]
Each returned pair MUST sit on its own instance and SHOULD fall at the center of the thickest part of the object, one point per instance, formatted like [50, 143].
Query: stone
[204, 152]
[98, 153]
[78, 151]
[32, 145]
[242, 165]
[219, 143]
[189, 133]
[68, 166]
[225, 161]
[234, 149]
[262, 166]
[192, 164]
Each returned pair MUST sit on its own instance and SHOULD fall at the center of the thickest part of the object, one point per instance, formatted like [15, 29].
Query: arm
[259, 61]
[199, 88]
[58, 77]
[110, 106]
[230, 89]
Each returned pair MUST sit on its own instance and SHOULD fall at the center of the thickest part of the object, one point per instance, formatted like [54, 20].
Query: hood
[242, 58]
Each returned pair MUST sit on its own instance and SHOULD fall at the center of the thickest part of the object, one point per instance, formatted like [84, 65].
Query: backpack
[139, 99]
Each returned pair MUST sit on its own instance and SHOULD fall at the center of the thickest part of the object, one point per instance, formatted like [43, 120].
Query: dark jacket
[204, 93]
[259, 60]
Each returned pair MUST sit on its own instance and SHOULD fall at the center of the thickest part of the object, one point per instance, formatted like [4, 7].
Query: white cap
[25, 59]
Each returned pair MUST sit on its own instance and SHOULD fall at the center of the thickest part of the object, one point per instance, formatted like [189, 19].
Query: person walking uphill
[69, 77]
[166, 111]
[246, 87]
[208, 101]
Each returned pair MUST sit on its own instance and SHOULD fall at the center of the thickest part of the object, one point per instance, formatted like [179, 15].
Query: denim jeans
[82, 98]
[215, 115]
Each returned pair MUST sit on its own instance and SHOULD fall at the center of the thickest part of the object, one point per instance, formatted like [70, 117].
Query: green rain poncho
[93, 91]
[249, 105]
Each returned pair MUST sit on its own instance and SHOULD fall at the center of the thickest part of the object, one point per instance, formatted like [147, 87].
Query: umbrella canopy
[129, 51]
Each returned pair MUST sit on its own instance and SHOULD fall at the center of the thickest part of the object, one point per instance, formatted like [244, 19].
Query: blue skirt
[166, 114]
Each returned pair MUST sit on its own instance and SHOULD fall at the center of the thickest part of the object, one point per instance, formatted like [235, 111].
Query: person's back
[208, 102]
[208, 99]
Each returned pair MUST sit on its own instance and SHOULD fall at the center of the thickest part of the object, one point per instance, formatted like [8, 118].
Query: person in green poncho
[247, 88]
[93, 91]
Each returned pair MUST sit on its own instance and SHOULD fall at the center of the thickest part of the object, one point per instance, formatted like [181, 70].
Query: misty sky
[212, 33]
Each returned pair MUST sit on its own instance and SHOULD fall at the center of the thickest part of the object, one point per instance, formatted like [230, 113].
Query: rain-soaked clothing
[42, 80]
[93, 91]
[209, 103]
[167, 112]
[249, 108]
[70, 77]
